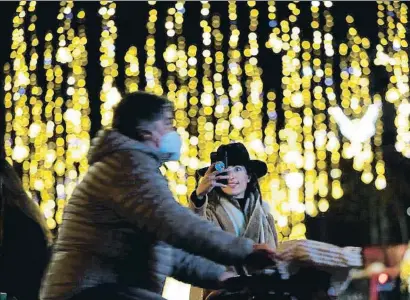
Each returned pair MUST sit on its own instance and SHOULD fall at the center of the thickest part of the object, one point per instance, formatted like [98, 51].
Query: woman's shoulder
[266, 206]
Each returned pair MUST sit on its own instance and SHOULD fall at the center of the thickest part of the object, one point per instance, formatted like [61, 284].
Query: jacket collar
[110, 141]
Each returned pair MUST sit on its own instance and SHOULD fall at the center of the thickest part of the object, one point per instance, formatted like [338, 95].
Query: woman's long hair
[14, 195]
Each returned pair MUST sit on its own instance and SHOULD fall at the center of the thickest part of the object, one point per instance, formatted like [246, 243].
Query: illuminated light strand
[292, 215]
[252, 130]
[320, 107]
[37, 129]
[8, 150]
[356, 86]
[10, 71]
[221, 112]
[205, 125]
[273, 192]
[333, 145]
[392, 53]
[33, 120]
[76, 118]
[47, 165]
[401, 71]
[170, 56]
[274, 42]
[234, 71]
[400, 76]
[272, 150]
[192, 118]
[176, 59]
[151, 72]
[63, 56]
[350, 74]
[16, 139]
[109, 94]
[309, 154]
[181, 104]
[132, 70]
[380, 182]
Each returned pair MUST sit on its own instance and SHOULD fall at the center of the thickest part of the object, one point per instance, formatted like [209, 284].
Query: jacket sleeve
[196, 270]
[199, 210]
[141, 194]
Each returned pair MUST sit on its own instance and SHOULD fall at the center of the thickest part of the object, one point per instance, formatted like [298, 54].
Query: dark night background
[364, 215]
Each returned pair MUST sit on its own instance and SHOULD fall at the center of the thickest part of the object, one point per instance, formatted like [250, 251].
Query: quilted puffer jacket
[122, 227]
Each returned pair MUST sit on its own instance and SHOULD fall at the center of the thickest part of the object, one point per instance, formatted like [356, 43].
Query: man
[123, 233]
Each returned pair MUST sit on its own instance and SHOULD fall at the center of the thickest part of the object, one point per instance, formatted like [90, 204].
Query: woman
[24, 238]
[235, 205]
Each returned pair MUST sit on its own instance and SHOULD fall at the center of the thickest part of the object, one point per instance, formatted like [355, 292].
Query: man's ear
[144, 134]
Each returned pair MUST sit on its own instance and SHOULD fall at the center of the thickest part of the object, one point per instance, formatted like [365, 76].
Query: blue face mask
[170, 145]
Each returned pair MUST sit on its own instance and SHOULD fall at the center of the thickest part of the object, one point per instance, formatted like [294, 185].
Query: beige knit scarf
[252, 223]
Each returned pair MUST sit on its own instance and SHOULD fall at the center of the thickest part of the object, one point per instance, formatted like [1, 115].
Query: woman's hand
[210, 181]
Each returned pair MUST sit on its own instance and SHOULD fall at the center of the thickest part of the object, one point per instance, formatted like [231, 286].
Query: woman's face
[237, 182]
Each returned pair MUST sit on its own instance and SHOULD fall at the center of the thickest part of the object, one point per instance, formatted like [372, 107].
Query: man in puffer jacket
[123, 233]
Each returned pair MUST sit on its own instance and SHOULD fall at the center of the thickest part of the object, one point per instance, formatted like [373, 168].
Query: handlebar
[307, 284]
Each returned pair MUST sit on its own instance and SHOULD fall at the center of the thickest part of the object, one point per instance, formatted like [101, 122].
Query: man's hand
[226, 275]
[262, 256]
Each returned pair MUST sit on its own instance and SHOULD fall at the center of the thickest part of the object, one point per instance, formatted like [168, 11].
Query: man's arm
[141, 195]
[196, 270]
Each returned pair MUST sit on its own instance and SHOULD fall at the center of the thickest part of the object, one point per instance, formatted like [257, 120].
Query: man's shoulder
[129, 158]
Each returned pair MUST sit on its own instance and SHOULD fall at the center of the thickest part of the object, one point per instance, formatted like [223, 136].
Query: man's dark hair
[138, 110]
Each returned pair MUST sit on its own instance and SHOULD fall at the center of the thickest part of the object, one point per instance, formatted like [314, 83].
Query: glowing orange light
[383, 277]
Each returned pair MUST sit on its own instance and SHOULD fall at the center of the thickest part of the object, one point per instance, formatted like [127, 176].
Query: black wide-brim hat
[237, 156]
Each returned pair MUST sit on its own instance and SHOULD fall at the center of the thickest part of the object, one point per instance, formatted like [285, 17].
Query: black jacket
[23, 255]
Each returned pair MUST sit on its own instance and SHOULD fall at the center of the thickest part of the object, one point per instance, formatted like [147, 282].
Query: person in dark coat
[24, 238]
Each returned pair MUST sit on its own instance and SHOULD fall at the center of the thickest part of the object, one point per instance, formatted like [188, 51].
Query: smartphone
[220, 165]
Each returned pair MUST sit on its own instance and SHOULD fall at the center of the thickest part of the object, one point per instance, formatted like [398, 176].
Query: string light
[333, 144]
[76, 117]
[205, 125]
[252, 130]
[355, 97]
[109, 94]
[152, 73]
[291, 220]
[235, 72]
[392, 54]
[132, 70]
[221, 112]
[177, 62]
[46, 164]
[380, 182]
[17, 110]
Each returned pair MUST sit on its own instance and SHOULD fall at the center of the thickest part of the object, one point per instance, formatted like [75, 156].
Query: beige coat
[218, 215]
[259, 223]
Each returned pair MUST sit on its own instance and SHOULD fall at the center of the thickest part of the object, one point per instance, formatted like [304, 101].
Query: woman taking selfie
[231, 197]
